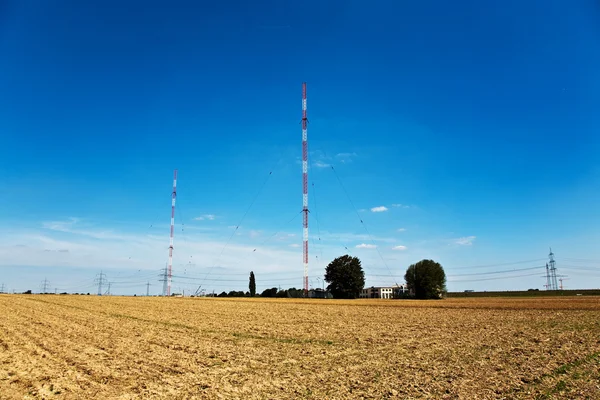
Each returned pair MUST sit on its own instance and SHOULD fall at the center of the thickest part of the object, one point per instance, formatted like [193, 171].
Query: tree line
[345, 276]
[271, 292]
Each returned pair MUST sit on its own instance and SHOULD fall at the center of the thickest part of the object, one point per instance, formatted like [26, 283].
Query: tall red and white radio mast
[305, 189]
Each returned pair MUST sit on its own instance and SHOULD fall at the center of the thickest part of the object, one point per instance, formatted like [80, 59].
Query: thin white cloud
[254, 233]
[208, 217]
[379, 209]
[399, 248]
[283, 236]
[345, 237]
[345, 157]
[139, 251]
[195, 255]
[464, 241]
[70, 226]
[401, 230]
[322, 160]
[319, 159]
[365, 246]
[62, 226]
[398, 205]
[321, 164]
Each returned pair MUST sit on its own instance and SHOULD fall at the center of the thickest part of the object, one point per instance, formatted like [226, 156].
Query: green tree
[426, 279]
[296, 293]
[269, 292]
[345, 277]
[252, 285]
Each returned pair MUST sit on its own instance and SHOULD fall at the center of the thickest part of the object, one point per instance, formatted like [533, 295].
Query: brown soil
[73, 347]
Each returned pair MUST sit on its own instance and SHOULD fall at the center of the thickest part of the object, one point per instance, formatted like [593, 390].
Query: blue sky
[474, 126]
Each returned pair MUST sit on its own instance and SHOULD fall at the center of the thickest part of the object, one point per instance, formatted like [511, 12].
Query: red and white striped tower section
[173, 197]
[305, 189]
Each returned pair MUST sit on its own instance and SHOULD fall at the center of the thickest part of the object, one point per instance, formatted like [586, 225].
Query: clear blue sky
[479, 121]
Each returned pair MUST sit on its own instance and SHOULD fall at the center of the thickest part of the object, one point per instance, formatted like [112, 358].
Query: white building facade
[383, 292]
[377, 293]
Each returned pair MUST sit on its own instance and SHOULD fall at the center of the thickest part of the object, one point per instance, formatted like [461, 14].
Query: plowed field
[74, 347]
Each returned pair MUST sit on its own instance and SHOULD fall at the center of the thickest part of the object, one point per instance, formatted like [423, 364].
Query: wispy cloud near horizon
[321, 164]
[206, 217]
[464, 241]
[365, 246]
[345, 158]
[379, 209]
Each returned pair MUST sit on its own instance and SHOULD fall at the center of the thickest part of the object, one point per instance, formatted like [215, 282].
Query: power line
[499, 272]
[164, 281]
[225, 280]
[240, 222]
[585, 271]
[585, 268]
[495, 278]
[362, 222]
[473, 274]
[258, 272]
[548, 284]
[586, 260]
[291, 283]
[561, 282]
[45, 285]
[269, 238]
[113, 283]
[314, 196]
[76, 288]
[183, 232]
[278, 230]
[100, 279]
[552, 263]
[141, 275]
[501, 264]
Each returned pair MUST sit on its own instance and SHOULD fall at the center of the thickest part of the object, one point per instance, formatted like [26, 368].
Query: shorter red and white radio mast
[173, 198]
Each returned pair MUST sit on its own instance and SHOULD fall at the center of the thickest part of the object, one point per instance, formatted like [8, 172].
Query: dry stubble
[70, 347]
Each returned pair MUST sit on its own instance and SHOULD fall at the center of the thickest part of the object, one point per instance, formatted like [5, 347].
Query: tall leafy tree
[252, 285]
[269, 292]
[345, 277]
[426, 279]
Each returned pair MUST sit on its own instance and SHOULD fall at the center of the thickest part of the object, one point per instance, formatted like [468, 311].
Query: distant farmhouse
[387, 292]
